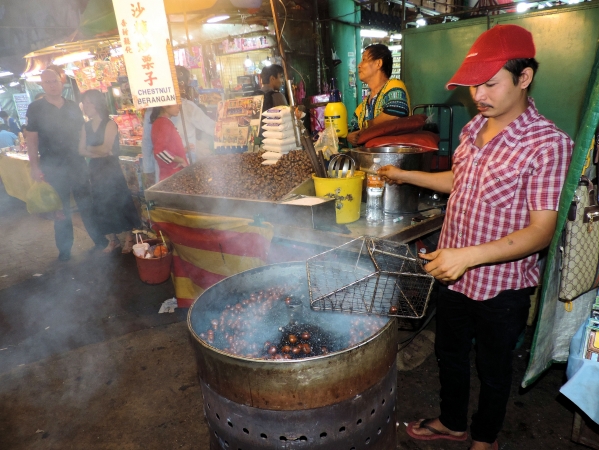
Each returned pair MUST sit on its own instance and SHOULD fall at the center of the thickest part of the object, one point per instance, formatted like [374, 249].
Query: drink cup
[140, 250]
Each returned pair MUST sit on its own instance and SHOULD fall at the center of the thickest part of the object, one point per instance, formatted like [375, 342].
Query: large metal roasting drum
[258, 395]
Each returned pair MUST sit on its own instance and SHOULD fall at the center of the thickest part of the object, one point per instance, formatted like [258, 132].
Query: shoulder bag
[580, 251]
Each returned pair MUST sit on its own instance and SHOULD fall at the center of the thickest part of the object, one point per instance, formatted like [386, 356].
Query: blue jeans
[65, 178]
[495, 324]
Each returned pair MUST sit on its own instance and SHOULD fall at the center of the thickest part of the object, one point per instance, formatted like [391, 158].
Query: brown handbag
[580, 251]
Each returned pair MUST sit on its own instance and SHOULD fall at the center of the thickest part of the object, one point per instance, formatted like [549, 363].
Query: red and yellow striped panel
[210, 248]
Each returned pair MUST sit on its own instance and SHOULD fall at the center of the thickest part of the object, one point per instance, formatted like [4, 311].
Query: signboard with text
[144, 36]
[21, 103]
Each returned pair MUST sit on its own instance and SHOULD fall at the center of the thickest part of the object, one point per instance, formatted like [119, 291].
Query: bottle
[335, 112]
[374, 191]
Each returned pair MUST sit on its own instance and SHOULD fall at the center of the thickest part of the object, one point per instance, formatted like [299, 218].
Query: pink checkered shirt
[521, 169]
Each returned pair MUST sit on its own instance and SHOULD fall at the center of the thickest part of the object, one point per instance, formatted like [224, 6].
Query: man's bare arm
[450, 264]
[437, 181]
[32, 151]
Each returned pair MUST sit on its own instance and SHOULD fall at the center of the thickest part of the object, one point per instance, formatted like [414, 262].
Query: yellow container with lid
[336, 113]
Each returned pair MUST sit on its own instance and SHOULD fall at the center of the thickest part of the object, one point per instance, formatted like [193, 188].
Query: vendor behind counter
[388, 96]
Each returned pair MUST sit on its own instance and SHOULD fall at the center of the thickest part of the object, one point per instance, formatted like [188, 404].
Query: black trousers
[67, 177]
[495, 324]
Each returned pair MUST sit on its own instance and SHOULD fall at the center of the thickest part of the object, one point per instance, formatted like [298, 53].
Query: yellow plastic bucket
[347, 193]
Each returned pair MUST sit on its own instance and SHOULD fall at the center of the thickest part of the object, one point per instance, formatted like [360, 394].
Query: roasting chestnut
[286, 349]
[305, 335]
[393, 309]
[292, 338]
[297, 350]
[306, 348]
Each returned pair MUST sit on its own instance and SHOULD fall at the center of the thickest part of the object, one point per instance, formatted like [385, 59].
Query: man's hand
[391, 174]
[36, 174]
[448, 264]
[353, 137]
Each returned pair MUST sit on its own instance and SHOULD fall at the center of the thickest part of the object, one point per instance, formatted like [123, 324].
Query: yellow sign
[144, 36]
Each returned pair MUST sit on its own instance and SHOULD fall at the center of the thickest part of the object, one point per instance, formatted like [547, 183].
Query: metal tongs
[342, 166]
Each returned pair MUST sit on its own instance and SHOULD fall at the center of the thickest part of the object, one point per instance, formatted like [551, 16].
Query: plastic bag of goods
[42, 198]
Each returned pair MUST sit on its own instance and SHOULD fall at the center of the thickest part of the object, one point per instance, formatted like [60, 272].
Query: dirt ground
[86, 361]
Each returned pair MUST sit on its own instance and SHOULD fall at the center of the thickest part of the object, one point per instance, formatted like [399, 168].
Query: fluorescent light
[248, 62]
[395, 48]
[117, 51]
[217, 19]
[116, 91]
[72, 57]
[522, 7]
[420, 20]
[267, 61]
[5, 73]
[373, 33]
[14, 83]
[175, 43]
[396, 37]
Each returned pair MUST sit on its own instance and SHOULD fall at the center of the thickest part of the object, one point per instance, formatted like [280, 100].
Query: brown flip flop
[437, 434]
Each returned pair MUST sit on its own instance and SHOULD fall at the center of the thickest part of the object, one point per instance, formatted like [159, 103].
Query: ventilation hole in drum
[359, 422]
[378, 431]
[216, 434]
[230, 423]
[383, 402]
[353, 448]
[388, 419]
[217, 416]
[367, 441]
[282, 438]
[226, 444]
[245, 430]
[263, 436]
[394, 409]
[209, 406]
[303, 439]
[323, 435]
[341, 430]
[372, 412]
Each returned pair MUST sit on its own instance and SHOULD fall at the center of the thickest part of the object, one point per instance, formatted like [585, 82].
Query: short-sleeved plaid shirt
[521, 169]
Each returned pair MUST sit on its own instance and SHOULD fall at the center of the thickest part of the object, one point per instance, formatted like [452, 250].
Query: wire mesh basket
[369, 276]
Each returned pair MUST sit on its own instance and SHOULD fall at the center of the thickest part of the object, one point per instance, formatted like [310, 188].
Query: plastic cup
[140, 250]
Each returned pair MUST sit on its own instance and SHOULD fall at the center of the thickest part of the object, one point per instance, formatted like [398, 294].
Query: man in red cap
[508, 172]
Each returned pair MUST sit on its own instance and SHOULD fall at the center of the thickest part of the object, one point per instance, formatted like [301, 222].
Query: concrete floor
[86, 361]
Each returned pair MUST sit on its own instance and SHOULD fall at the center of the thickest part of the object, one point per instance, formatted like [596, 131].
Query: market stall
[15, 174]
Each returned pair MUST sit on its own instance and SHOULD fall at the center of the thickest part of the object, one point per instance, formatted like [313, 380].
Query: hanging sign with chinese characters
[145, 39]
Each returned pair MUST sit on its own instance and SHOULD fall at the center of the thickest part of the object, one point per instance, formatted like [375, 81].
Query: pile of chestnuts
[242, 175]
[240, 329]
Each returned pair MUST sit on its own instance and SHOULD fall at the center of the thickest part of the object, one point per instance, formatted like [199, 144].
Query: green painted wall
[343, 39]
[566, 41]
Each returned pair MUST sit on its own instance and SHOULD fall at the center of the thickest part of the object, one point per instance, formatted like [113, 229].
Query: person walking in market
[53, 128]
[508, 172]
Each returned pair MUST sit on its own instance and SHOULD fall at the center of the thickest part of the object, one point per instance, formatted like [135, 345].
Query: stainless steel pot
[402, 198]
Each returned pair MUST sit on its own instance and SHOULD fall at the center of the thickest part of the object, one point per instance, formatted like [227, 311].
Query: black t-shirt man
[58, 131]
[53, 131]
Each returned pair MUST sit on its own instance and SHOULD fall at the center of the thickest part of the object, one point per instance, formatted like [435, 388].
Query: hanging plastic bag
[42, 198]
[328, 142]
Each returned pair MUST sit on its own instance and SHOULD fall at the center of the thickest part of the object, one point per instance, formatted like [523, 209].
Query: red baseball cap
[490, 52]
